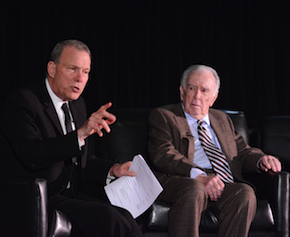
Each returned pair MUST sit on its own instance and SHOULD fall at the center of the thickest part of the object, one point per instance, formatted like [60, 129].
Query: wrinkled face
[69, 78]
[199, 94]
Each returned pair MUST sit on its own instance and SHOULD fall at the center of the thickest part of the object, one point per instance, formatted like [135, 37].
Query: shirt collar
[57, 102]
[192, 120]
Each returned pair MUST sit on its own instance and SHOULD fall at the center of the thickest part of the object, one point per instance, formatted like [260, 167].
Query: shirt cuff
[258, 165]
[110, 178]
[81, 144]
[195, 172]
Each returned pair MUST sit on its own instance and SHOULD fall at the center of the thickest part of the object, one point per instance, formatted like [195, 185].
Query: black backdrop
[140, 48]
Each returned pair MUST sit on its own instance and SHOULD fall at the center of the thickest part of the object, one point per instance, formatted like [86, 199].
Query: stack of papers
[135, 194]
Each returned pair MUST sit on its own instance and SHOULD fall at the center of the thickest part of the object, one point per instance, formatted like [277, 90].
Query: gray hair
[194, 68]
[59, 47]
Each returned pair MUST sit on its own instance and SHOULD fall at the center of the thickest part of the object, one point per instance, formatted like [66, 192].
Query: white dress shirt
[57, 102]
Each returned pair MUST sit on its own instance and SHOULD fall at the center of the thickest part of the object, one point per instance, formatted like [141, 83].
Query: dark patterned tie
[69, 162]
[67, 119]
[215, 155]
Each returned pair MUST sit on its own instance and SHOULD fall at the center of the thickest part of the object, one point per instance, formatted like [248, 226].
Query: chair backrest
[240, 122]
[274, 138]
[129, 134]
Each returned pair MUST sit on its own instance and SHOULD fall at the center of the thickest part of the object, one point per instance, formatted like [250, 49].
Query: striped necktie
[215, 155]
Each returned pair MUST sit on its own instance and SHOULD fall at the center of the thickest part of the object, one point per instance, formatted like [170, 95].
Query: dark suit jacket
[34, 145]
[171, 144]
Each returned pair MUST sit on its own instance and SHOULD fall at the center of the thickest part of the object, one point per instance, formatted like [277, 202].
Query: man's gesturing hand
[101, 119]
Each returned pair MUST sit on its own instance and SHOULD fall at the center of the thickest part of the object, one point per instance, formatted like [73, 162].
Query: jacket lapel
[48, 107]
[184, 130]
[222, 134]
[76, 112]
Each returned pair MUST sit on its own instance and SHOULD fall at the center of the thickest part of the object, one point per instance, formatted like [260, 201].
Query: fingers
[99, 120]
[214, 187]
[270, 163]
[119, 170]
[103, 118]
[124, 169]
[102, 111]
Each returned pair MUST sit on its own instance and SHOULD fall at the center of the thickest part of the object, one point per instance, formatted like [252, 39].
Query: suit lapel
[51, 113]
[48, 107]
[221, 133]
[76, 112]
[184, 129]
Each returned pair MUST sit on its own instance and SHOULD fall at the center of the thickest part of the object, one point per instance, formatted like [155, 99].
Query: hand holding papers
[135, 194]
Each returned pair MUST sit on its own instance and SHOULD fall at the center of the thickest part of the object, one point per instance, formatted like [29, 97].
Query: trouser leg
[189, 199]
[93, 218]
[237, 210]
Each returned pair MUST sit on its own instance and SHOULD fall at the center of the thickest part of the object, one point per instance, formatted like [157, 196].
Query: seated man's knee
[182, 189]
[191, 189]
[246, 195]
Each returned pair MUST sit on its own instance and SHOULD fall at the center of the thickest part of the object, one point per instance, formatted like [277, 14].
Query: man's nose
[80, 77]
[197, 94]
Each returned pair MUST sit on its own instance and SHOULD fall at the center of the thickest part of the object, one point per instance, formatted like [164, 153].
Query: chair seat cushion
[158, 218]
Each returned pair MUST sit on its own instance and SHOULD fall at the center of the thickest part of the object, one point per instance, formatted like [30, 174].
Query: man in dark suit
[42, 139]
[200, 159]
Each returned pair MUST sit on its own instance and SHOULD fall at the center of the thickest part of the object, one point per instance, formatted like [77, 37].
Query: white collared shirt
[57, 103]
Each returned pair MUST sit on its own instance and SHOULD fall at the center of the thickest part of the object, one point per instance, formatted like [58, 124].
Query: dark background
[141, 48]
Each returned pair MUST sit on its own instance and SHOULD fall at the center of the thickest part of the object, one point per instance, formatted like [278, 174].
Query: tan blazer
[171, 144]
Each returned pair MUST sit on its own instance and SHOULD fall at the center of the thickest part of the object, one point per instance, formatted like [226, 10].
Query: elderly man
[43, 132]
[200, 159]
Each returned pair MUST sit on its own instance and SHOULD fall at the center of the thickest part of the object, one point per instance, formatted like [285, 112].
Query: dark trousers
[94, 218]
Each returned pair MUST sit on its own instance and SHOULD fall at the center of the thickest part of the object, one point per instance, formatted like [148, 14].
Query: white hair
[194, 68]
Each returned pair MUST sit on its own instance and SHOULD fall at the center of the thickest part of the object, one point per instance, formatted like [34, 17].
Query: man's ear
[214, 99]
[181, 91]
[51, 69]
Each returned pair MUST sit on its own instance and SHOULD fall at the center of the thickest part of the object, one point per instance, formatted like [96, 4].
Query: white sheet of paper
[135, 194]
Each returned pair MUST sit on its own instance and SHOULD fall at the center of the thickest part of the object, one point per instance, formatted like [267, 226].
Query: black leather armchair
[129, 137]
[23, 210]
[274, 138]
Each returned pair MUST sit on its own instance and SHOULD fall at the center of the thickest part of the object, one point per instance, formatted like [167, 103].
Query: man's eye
[191, 88]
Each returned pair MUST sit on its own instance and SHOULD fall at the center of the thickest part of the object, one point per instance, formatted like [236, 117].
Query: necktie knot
[199, 122]
[200, 126]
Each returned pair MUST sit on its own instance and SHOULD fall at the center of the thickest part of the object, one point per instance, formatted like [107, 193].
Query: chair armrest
[23, 204]
[59, 225]
[274, 188]
[281, 210]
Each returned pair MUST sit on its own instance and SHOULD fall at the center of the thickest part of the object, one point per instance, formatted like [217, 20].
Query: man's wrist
[194, 172]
